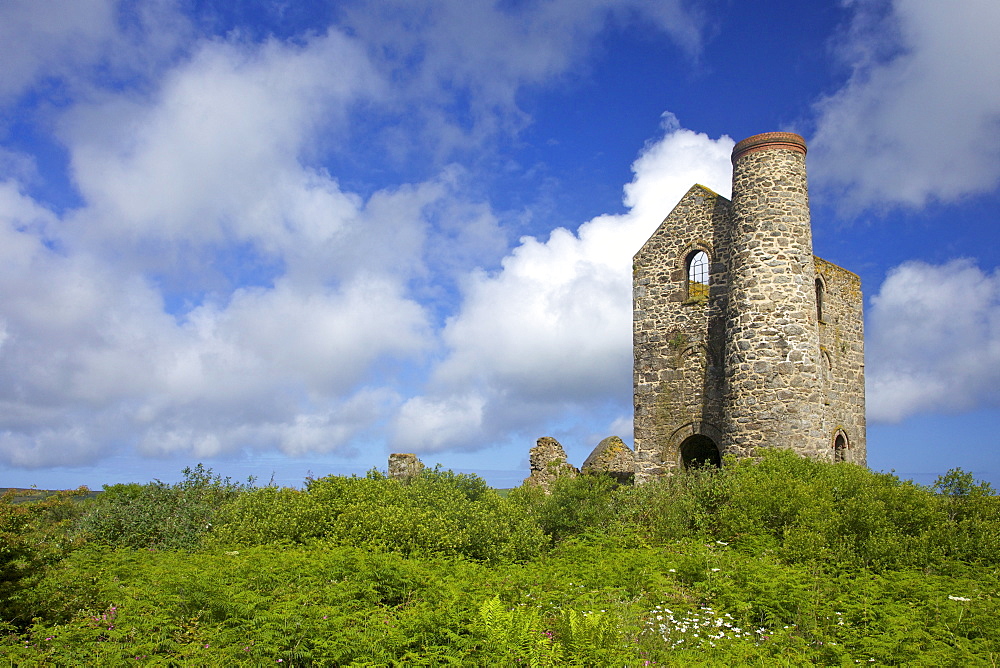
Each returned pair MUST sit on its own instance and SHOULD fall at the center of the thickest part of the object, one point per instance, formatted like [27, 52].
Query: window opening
[698, 276]
[819, 300]
[840, 449]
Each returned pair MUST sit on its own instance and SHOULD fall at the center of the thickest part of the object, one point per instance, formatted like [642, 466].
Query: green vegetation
[782, 561]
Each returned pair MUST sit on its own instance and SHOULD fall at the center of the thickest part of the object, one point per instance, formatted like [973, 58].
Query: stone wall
[404, 465]
[612, 458]
[548, 462]
[677, 338]
[841, 338]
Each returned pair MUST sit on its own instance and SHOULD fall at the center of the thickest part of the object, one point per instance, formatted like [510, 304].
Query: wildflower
[719, 542]
[716, 570]
[959, 598]
[672, 570]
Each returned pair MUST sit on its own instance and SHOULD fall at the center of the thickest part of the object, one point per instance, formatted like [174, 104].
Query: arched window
[697, 276]
[820, 290]
[840, 448]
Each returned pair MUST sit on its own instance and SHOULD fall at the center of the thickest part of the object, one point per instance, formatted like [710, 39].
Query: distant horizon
[497, 478]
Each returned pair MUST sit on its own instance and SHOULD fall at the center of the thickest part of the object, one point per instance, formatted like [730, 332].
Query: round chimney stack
[773, 395]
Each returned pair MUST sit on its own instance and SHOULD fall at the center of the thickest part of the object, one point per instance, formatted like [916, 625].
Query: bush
[160, 515]
[436, 512]
[808, 511]
[780, 561]
[575, 505]
[670, 508]
[34, 535]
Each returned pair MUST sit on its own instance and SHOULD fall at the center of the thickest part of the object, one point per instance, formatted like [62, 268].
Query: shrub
[669, 508]
[837, 515]
[778, 561]
[160, 515]
[34, 535]
[436, 512]
[574, 505]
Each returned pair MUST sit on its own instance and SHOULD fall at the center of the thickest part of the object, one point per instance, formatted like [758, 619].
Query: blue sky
[290, 238]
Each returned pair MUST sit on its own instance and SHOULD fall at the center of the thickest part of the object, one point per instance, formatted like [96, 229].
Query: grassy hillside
[784, 561]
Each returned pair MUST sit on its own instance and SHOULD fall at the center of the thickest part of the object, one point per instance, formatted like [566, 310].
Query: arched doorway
[699, 450]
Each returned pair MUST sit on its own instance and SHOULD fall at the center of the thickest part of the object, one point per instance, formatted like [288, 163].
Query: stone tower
[742, 338]
[772, 387]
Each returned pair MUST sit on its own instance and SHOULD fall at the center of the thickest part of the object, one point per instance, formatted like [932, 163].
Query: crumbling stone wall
[613, 458]
[404, 465]
[752, 364]
[548, 461]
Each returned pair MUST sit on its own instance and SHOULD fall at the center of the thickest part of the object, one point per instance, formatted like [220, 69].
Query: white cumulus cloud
[551, 331]
[216, 154]
[918, 119]
[933, 340]
[49, 37]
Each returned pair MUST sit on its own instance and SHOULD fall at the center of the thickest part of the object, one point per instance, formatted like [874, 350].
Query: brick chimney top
[769, 140]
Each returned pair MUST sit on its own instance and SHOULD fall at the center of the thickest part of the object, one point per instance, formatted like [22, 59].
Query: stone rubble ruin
[613, 458]
[548, 462]
[404, 465]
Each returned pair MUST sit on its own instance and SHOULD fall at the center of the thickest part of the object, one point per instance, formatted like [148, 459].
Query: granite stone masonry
[612, 458]
[742, 338]
[404, 465]
[548, 462]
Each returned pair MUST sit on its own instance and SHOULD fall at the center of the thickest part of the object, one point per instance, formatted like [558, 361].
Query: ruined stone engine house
[742, 337]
